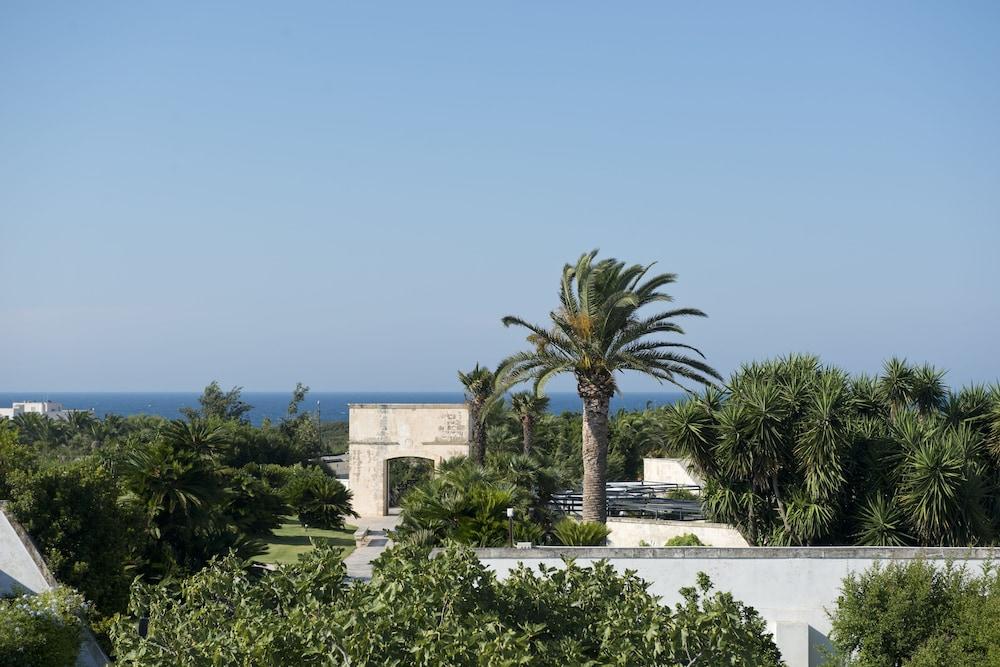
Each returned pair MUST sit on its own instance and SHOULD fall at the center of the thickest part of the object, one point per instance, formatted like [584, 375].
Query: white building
[50, 409]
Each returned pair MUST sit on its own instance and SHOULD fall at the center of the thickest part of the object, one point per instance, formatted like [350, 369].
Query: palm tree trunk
[781, 506]
[478, 438]
[527, 433]
[595, 454]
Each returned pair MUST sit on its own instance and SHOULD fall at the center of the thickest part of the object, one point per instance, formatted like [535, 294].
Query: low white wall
[628, 532]
[672, 471]
[792, 588]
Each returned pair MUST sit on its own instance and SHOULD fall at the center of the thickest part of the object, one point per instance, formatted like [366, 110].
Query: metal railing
[637, 499]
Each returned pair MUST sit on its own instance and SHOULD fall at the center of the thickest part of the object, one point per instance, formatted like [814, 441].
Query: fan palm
[481, 394]
[528, 407]
[596, 332]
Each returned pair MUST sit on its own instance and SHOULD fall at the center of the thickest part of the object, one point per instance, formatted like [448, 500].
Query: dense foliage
[108, 500]
[918, 615]
[319, 499]
[632, 436]
[41, 630]
[85, 534]
[404, 474]
[449, 609]
[794, 452]
[466, 503]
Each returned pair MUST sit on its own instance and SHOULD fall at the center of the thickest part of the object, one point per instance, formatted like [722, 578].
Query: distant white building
[50, 409]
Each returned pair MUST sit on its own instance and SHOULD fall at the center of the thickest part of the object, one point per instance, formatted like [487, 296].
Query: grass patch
[292, 538]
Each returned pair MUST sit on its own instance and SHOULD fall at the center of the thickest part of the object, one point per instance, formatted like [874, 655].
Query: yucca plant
[572, 533]
[882, 523]
[928, 391]
[935, 474]
[896, 383]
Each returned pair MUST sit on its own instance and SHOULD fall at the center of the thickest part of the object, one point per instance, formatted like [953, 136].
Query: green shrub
[572, 533]
[41, 630]
[685, 540]
[468, 504]
[682, 494]
[319, 500]
[446, 610]
[916, 614]
[86, 535]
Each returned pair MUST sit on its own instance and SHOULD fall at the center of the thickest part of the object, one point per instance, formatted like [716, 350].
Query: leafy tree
[298, 396]
[449, 609]
[218, 404]
[528, 407]
[597, 331]
[482, 394]
[14, 458]
[85, 535]
[917, 614]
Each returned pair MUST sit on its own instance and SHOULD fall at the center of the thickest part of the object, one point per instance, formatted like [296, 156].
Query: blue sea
[273, 404]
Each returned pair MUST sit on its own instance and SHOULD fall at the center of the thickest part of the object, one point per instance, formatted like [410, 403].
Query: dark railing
[638, 499]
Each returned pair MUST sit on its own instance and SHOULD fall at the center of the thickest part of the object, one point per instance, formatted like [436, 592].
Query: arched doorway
[402, 474]
[381, 432]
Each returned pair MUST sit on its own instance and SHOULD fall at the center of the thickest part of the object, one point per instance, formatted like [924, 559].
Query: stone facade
[380, 432]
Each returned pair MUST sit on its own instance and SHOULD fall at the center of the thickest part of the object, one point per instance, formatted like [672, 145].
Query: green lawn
[292, 539]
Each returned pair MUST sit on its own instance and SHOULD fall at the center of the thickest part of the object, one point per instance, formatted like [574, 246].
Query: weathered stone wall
[629, 532]
[379, 432]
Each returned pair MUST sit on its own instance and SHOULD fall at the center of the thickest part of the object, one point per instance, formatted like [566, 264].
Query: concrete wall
[673, 471]
[18, 565]
[381, 432]
[792, 588]
[628, 532]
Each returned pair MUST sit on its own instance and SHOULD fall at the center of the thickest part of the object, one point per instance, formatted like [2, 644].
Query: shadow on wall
[9, 585]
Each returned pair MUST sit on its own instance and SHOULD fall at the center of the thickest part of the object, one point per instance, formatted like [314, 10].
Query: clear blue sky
[352, 195]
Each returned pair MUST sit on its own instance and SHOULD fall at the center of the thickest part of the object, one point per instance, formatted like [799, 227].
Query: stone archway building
[380, 432]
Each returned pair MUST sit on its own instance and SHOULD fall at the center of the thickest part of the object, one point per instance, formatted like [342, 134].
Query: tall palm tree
[596, 332]
[482, 392]
[528, 407]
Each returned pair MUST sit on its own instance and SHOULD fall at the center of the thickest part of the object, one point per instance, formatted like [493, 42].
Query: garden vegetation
[447, 609]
